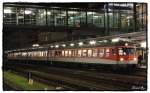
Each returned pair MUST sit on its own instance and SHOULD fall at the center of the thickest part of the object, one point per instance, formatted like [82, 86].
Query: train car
[118, 54]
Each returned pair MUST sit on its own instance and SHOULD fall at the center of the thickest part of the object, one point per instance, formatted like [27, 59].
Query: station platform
[142, 67]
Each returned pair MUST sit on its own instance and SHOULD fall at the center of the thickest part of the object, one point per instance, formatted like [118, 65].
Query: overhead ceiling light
[115, 40]
[100, 41]
[95, 16]
[71, 44]
[35, 45]
[143, 44]
[49, 13]
[72, 12]
[63, 45]
[89, 13]
[28, 12]
[7, 11]
[93, 42]
[52, 46]
[80, 43]
[104, 41]
[55, 7]
[128, 17]
[56, 46]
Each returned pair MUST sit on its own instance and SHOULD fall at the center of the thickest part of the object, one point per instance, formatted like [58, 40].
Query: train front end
[127, 55]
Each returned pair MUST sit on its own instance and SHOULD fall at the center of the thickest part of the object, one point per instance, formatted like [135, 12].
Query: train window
[69, 53]
[45, 53]
[95, 52]
[120, 51]
[53, 52]
[84, 53]
[89, 53]
[126, 51]
[29, 54]
[41, 53]
[66, 53]
[50, 53]
[79, 53]
[24, 54]
[101, 52]
[107, 52]
[38, 53]
[114, 51]
[73, 52]
[63, 53]
[35, 53]
[57, 53]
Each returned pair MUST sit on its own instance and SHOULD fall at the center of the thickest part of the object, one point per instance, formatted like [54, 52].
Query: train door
[114, 53]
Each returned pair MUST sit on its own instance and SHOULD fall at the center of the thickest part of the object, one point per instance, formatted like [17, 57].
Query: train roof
[79, 44]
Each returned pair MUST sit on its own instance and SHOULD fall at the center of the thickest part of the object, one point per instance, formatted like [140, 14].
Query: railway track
[86, 80]
[61, 81]
[136, 72]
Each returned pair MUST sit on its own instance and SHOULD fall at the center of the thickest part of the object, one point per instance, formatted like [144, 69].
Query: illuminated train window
[107, 52]
[79, 53]
[69, 53]
[66, 53]
[24, 54]
[95, 52]
[63, 53]
[101, 52]
[53, 53]
[84, 53]
[41, 53]
[89, 53]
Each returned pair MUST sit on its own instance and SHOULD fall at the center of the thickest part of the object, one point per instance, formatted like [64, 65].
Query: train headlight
[121, 59]
[135, 59]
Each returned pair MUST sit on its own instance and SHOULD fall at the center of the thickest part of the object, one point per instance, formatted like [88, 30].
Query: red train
[121, 53]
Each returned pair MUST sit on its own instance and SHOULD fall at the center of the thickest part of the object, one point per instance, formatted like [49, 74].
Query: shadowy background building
[27, 23]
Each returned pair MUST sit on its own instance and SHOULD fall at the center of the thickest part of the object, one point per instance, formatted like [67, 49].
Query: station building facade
[74, 22]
